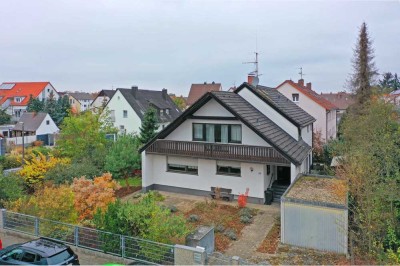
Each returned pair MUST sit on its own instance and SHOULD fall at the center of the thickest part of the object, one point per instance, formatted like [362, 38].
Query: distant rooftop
[341, 99]
[198, 90]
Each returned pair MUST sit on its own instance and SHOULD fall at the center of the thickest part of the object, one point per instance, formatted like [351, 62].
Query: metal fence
[141, 250]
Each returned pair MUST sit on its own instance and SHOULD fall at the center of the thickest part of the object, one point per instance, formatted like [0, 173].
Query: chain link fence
[140, 250]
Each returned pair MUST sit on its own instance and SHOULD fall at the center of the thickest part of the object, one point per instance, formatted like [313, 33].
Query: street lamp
[23, 143]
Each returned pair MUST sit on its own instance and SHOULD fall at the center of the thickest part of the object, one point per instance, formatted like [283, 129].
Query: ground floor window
[182, 165]
[228, 168]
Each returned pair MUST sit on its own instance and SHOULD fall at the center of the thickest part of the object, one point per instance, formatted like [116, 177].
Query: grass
[133, 181]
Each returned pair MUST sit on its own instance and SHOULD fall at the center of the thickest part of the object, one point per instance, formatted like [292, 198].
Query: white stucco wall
[213, 108]
[118, 103]
[46, 93]
[85, 104]
[47, 129]
[332, 124]
[155, 172]
[269, 112]
[310, 106]
[98, 102]
[306, 134]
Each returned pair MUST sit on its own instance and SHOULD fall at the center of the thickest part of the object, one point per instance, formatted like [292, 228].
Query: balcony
[238, 152]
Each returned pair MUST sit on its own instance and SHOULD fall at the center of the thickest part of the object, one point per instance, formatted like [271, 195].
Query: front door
[283, 176]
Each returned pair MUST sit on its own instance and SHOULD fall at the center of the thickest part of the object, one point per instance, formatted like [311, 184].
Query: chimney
[301, 82]
[213, 82]
[250, 79]
[134, 91]
[309, 85]
[164, 93]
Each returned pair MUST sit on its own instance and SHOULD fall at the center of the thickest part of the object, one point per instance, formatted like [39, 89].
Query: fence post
[76, 236]
[123, 246]
[2, 218]
[37, 226]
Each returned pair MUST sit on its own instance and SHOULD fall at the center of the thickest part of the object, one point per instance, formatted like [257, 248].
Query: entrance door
[283, 177]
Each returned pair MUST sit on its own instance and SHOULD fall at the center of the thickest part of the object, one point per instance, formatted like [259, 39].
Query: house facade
[323, 110]
[251, 138]
[128, 106]
[14, 96]
[101, 100]
[342, 100]
[80, 101]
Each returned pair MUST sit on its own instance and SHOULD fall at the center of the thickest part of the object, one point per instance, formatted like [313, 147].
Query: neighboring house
[252, 138]
[80, 101]
[101, 99]
[342, 100]
[323, 110]
[128, 106]
[198, 90]
[14, 96]
[36, 124]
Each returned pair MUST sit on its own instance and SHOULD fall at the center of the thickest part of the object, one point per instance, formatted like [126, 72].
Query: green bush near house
[10, 161]
[11, 188]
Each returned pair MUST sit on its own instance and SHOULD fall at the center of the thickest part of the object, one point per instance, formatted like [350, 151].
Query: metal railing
[236, 152]
[141, 250]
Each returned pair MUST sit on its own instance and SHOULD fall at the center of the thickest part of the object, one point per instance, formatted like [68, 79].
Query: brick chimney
[309, 85]
[301, 82]
[250, 79]
[134, 91]
[164, 93]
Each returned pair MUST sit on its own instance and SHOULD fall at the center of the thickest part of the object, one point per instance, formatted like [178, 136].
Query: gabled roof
[148, 98]
[280, 103]
[198, 90]
[108, 93]
[293, 150]
[21, 89]
[80, 96]
[32, 121]
[311, 94]
[341, 99]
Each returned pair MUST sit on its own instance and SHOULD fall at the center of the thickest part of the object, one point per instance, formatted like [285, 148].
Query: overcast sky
[94, 45]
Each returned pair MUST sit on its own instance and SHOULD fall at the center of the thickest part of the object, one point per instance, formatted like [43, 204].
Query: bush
[173, 208]
[11, 188]
[231, 234]
[245, 219]
[62, 173]
[246, 212]
[10, 161]
[219, 228]
[193, 218]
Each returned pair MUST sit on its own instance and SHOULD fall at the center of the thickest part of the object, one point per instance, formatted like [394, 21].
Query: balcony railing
[236, 152]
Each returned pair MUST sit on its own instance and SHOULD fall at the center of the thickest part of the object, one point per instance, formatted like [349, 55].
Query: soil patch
[271, 241]
[213, 213]
[124, 191]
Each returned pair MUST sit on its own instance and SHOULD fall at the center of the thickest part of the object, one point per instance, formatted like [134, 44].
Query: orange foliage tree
[91, 195]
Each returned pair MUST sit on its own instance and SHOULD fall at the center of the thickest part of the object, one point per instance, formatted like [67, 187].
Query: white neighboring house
[323, 110]
[101, 99]
[81, 101]
[14, 96]
[252, 138]
[36, 126]
[128, 106]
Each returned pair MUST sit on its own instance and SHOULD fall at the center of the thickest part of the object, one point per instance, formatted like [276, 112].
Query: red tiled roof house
[198, 90]
[323, 110]
[14, 96]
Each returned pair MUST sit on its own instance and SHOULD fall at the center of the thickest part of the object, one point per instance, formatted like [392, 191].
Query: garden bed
[271, 241]
[224, 218]
[124, 191]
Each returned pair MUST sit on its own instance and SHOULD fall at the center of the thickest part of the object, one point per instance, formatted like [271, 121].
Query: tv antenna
[301, 73]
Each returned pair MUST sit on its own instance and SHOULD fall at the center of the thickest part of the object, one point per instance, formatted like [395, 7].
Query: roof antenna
[301, 73]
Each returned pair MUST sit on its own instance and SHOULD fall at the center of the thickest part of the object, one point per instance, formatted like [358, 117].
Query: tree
[389, 82]
[83, 136]
[179, 102]
[4, 117]
[35, 105]
[123, 157]
[149, 127]
[364, 70]
[91, 195]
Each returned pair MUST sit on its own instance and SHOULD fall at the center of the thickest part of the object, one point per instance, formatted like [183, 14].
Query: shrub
[245, 219]
[231, 234]
[10, 161]
[219, 228]
[11, 188]
[193, 218]
[246, 212]
[62, 173]
[173, 208]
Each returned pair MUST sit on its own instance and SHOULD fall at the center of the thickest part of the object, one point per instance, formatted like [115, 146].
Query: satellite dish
[255, 81]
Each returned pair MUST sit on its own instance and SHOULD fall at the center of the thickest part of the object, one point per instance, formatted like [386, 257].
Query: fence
[141, 250]
[18, 140]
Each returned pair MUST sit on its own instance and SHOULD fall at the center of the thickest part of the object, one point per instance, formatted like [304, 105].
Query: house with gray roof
[253, 138]
[101, 100]
[128, 106]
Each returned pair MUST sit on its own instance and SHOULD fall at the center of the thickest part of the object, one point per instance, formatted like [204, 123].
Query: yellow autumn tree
[91, 195]
[34, 170]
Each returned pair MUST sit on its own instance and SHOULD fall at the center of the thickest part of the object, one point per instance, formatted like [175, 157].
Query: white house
[101, 99]
[128, 106]
[80, 101]
[323, 110]
[14, 96]
[252, 138]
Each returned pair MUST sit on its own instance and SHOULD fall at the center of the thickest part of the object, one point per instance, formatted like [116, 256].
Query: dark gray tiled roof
[283, 105]
[295, 150]
[81, 95]
[146, 98]
[32, 121]
[108, 93]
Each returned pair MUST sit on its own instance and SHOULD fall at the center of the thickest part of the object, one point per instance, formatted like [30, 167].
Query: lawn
[226, 220]
[133, 181]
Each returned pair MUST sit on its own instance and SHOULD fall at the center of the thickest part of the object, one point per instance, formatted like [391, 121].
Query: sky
[93, 45]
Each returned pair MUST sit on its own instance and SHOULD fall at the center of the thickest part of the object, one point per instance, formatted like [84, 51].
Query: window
[125, 113]
[14, 254]
[122, 129]
[182, 165]
[167, 111]
[161, 111]
[47, 122]
[217, 133]
[228, 168]
[18, 99]
[295, 97]
[61, 257]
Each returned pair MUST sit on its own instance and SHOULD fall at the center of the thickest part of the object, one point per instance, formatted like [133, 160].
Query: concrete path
[254, 234]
